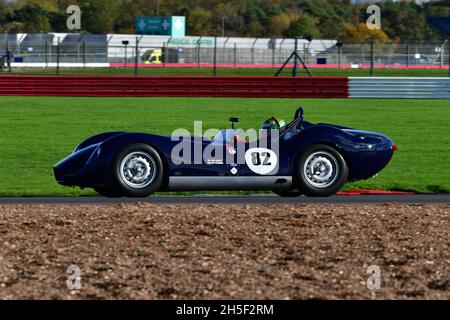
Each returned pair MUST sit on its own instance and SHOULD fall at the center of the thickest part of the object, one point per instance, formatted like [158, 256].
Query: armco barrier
[423, 88]
[174, 86]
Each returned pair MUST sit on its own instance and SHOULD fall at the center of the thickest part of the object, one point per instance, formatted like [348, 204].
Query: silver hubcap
[138, 170]
[321, 169]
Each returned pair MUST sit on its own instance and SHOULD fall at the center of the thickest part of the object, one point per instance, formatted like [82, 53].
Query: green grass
[36, 132]
[240, 72]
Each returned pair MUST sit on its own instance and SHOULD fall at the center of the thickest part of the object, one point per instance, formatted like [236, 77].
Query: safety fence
[35, 51]
[231, 86]
[176, 86]
[388, 87]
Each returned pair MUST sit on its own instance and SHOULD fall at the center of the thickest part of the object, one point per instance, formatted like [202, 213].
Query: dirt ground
[144, 251]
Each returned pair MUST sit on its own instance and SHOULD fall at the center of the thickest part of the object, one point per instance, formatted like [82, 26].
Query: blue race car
[294, 159]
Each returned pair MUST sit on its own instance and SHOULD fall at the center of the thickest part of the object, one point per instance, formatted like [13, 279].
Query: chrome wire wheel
[321, 169]
[138, 170]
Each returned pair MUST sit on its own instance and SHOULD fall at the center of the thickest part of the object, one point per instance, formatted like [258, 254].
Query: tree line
[326, 19]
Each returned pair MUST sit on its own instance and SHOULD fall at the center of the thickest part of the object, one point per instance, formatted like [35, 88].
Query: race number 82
[256, 159]
[261, 160]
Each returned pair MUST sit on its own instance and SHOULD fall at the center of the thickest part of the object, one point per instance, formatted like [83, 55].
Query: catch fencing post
[294, 70]
[136, 54]
[235, 55]
[339, 45]
[273, 53]
[372, 62]
[84, 53]
[407, 56]
[46, 54]
[215, 57]
[448, 53]
[8, 56]
[253, 50]
[58, 56]
[165, 54]
[198, 52]
[304, 53]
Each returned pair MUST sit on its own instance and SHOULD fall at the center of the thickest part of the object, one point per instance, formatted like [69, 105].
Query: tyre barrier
[225, 86]
[174, 86]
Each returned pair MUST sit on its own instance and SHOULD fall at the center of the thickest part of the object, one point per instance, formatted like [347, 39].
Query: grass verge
[36, 132]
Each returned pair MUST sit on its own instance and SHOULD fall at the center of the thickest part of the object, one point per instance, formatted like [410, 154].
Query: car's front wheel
[138, 170]
[109, 192]
[322, 171]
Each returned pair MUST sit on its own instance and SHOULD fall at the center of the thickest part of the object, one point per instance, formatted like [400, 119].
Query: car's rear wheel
[322, 171]
[138, 170]
[288, 193]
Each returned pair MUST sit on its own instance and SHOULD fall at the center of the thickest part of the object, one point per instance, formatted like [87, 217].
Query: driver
[274, 124]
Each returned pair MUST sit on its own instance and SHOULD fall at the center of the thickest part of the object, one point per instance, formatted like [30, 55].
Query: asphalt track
[238, 199]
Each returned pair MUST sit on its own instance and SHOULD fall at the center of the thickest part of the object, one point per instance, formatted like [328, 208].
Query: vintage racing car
[310, 159]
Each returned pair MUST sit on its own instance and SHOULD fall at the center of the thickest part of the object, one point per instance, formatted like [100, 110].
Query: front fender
[97, 139]
[112, 146]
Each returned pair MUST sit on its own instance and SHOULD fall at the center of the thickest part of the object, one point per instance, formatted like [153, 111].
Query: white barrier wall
[390, 87]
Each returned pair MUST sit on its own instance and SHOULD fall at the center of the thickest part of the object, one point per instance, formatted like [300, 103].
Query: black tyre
[288, 193]
[108, 192]
[322, 171]
[137, 171]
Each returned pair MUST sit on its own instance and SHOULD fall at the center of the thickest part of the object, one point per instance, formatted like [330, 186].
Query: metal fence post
[294, 70]
[58, 56]
[126, 53]
[46, 54]
[253, 50]
[339, 56]
[165, 54]
[215, 57]
[448, 53]
[136, 52]
[407, 56]
[198, 52]
[235, 55]
[78, 52]
[84, 53]
[304, 53]
[273, 54]
[372, 62]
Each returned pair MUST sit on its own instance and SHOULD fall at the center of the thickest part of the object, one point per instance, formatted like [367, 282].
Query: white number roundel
[261, 160]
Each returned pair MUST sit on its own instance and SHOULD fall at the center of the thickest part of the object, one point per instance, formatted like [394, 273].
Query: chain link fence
[77, 51]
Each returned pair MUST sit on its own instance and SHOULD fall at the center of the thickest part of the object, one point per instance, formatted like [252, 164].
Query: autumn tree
[360, 33]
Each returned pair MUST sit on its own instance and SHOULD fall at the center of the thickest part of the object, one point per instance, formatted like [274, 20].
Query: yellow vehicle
[154, 56]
